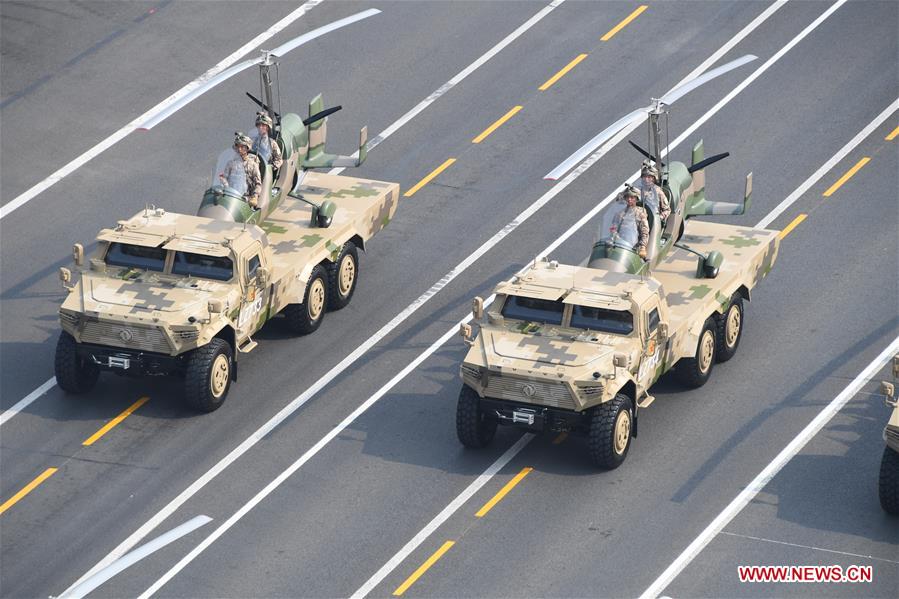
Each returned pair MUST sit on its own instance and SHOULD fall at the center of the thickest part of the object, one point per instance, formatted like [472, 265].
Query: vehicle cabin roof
[580, 285]
[182, 232]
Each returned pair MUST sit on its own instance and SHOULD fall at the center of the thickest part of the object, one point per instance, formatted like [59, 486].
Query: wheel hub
[221, 372]
[732, 326]
[316, 299]
[347, 275]
[706, 351]
[622, 431]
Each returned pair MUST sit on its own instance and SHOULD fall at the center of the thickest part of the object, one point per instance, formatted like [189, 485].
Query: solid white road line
[393, 128]
[294, 405]
[23, 403]
[551, 193]
[827, 166]
[113, 139]
[135, 556]
[768, 473]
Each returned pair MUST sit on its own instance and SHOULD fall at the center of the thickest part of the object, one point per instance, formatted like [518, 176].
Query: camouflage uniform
[250, 166]
[654, 199]
[636, 215]
[268, 149]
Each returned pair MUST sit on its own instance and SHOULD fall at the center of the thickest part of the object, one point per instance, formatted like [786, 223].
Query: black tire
[305, 318]
[611, 430]
[73, 374]
[342, 276]
[888, 487]
[729, 329]
[473, 427]
[694, 372]
[207, 378]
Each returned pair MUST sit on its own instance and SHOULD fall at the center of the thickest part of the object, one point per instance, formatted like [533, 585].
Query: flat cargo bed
[364, 207]
[748, 255]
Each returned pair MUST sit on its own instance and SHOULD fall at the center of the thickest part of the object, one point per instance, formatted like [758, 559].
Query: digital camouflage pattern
[563, 367]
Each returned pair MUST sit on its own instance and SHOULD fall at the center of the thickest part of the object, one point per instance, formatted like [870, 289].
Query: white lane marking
[440, 91]
[446, 336]
[135, 556]
[768, 473]
[113, 139]
[23, 403]
[393, 128]
[827, 166]
[763, 540]
[443, 516]
[294, 405]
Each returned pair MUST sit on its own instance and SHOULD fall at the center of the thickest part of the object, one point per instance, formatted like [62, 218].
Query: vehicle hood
[141, 293]
[530, 351]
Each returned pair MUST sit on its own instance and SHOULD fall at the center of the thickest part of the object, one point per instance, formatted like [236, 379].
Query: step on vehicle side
[175, 294]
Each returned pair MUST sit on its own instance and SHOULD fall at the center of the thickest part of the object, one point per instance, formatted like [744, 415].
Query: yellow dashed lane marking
[427, 179]
[793, 225]
[109, 425]
[496, 125]
[892, 135]
[624, 23]
[847, 176]
[502, 492]
[562, 73]
[27, 489]
[423, 568]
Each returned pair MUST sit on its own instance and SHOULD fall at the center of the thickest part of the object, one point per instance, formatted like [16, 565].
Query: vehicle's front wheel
[473, 427]
[73, 373]
[729, 329]
[208, 375]
[611, 426]
[305, 318]
[342, 275]
[889, 481]
[694, 372]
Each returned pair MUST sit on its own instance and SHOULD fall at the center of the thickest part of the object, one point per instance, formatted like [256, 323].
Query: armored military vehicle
[888, 484]
[577, 348]
[175, 294]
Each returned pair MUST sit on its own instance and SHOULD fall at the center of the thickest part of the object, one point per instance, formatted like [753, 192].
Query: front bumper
[131, 362]
[535, 418]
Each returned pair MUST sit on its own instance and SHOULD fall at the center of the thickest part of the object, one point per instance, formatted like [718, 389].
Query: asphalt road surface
[362, 486]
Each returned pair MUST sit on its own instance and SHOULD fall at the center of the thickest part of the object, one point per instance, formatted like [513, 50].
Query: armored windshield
[533, 310]
[136, 256]
[619, 226]
[230, 174]
[617, 322]
[219, 268]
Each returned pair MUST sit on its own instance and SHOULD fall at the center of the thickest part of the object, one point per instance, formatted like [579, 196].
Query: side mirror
[65, 277]
[888, 390]
[896, 367]
[477, 308]
[78, 254]
[262, 275]
[620, 360]
[465, 332]
[663, 331]
[215, 306]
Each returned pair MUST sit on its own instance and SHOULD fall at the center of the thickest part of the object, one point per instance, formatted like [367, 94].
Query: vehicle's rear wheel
[694, 372]
[611, 426]
[473, 427]
[342, 276]
[208, 375]
[305, 318]
[729, 329]
[888, 486]
[73, 373]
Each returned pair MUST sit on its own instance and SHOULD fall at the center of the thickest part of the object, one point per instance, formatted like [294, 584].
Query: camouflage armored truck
[577, 348]
[168, 293]
[888, 483]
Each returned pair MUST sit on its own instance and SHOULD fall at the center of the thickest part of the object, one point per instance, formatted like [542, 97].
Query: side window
[653, 321]
[252, 266]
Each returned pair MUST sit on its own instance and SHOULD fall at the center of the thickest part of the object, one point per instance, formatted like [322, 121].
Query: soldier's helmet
[241, 139]
[262, 118]
[630, 190]
[649, 169]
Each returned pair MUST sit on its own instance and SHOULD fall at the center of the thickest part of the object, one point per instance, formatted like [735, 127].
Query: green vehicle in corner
[888, 483]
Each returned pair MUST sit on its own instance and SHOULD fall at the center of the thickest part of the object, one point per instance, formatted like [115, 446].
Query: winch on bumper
[131, 362]
[533, 417]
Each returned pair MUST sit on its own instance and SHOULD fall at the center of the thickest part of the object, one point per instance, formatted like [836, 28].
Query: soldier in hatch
[248, 164]
[263, 144]
[653, 197]
[630, 224]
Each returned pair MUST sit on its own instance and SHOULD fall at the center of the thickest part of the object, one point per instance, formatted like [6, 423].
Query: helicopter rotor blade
[679, 92]
[645, 153]
[263, 105]
[320, 115]
[234, 70]
[605, 135]
[704, 163]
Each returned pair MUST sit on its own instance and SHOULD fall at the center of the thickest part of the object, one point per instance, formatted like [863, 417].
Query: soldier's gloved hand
[642, 253]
